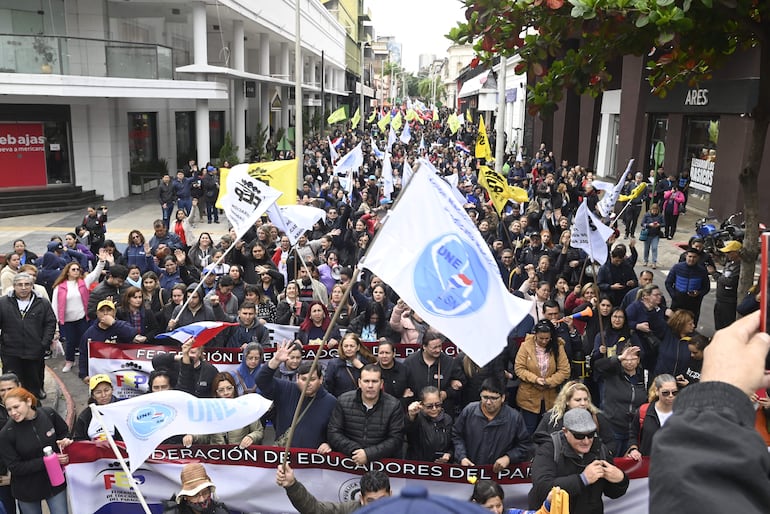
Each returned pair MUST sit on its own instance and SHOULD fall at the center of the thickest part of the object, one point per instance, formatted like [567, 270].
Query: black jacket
[428, 438]
[640, 436]
[712, 436]
[101, 292]
[21, 445]
[439, 375]
[378, 431]
[563, 470]
[623, 393]
[198, 380]
[30, 336]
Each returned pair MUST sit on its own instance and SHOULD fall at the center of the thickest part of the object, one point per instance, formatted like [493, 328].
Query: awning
[473, 85]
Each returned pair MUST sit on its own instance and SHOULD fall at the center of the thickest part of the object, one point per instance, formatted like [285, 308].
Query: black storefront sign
[251, 89]
[713, 96]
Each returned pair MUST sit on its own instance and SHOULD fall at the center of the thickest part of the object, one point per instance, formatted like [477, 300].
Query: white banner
[590, 234]
[444, 270]
[246, 198]
[96, 484]
[607, 204]
[701, 174]
[294, 220]
[146, 421]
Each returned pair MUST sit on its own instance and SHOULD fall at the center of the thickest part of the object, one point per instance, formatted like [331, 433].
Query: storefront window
[142, 139]
[186, 144]
[657, 147]
[699, 159]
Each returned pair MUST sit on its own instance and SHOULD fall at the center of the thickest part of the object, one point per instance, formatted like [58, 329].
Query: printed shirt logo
[148, 419]
[449, 278]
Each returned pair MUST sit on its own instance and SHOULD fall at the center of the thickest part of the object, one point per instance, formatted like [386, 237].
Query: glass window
[216, 132]
[657, 147]
[142, 138]
[699, 159]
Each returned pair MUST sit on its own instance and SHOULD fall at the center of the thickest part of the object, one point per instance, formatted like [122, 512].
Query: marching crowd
[591, 374]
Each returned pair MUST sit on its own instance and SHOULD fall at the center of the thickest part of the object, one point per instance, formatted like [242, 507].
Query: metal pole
[298, 146]
[323, 96]
[500, 122]
[361, 95]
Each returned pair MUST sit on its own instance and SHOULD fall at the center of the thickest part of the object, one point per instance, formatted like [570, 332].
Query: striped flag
[202, 331]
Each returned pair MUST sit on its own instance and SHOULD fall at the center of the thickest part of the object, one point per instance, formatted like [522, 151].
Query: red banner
[22, 155]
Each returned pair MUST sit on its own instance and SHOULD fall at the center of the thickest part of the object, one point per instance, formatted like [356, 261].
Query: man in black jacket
[167, 198]
[27, 328]
[576, 460]
[195, 374]
[367, 424]
[110, 289]
[430, 366]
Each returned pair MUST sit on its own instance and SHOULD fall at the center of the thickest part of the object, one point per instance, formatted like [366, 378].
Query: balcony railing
[82, 56]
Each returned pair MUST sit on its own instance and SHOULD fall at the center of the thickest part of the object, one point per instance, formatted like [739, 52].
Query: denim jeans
[651, 243]
[73, 331]
[184, 204]
[57, 504]
[168, 210]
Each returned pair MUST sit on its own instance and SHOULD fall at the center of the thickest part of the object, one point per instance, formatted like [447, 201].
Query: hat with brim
[415, 499]
[98, 379]
[579, 421]
[732, 246]
[105, 303]
[194, 480]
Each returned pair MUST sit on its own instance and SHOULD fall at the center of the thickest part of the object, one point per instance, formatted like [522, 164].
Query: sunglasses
[431, 406]
[669, 393]
[580, 436]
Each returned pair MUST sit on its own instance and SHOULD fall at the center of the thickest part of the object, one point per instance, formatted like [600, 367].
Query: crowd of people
[571, 390]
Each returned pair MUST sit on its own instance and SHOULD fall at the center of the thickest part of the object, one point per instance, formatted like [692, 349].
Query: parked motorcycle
[715, 237]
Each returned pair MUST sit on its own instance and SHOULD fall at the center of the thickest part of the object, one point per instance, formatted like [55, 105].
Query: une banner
[22, 155]
[97, 484]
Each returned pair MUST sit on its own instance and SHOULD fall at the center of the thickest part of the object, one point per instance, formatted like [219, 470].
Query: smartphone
[764, 287]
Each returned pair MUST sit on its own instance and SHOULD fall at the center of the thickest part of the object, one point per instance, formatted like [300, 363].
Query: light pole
[361, 95]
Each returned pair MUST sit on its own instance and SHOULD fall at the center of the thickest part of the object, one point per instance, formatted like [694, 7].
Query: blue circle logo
[449, 277]
[146, 420]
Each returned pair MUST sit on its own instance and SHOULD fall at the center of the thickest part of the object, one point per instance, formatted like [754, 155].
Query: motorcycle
[715, 238]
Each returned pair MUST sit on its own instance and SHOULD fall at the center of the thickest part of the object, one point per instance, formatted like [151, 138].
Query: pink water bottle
[52, 466]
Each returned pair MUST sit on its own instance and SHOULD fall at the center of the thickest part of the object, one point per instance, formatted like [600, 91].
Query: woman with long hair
[239, 286]
[132, 310]
[651, 416]
[138, 252]
[71, 291]
[202, 252]
[313, 328]
[11, 268]
[371, 325]
[290, 309]
[266, 309]
[155, 297]
[32, 428]
[335, 299]
[342, 373]
[182, 226]
[223, 386]
[246, 374]
[674, 352]
[542, 366]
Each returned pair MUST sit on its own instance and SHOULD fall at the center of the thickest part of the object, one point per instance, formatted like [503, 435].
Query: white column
[238, 49]
[283, 61]
[200, 44]
[264, 54]
[202, 138]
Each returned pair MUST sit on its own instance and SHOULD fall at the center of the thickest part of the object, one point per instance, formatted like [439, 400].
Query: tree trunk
[749, 175]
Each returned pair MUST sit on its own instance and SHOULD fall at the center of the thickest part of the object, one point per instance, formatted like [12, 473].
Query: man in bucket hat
[197, 493]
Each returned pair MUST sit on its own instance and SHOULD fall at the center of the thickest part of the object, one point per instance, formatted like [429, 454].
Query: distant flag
[590, 234]
[294, 220]
[332, 151]
[387, 176]
[392, 138]
[376, 151]
[383, 122]
[372, 117]
[421, 148]
[452, 180]
[354, 159]
[454, 123]
[411, 115]
[635, 192]
[337, 116]
[406, 174]
[337, 142]
[435, 113]
[459, 145]
[499, 190]
[356, 119]
[246, 198]
[202, 331]
[607, 204]
[408, 102]
[396, 122]
[406, 135]
[468, 115]
[483, 149]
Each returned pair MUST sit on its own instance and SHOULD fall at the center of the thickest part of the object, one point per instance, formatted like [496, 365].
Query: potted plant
[45, 54]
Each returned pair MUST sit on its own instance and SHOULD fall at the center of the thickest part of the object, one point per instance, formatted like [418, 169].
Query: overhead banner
[97, 484]
[22, 155]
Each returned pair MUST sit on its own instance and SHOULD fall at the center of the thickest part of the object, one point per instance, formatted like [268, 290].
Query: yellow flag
[356, 119]
[383, 123]
[411, 114]
[499, 190]
[396, 122]
[468, 116]
[634, 193]
[435, 114]
[371, 118]
[340, 114]
[281, 175]
[483, 150]
[454, 123]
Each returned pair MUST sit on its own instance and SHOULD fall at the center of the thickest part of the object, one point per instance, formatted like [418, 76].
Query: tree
[425, 88]
[228, 152]
[685, 41]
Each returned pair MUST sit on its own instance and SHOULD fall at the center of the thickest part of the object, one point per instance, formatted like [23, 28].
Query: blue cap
[415, 499]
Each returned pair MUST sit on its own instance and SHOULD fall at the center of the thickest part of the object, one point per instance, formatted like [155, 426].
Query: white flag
[452, 180]
[406, 174]
[444, 270]
[421, 148]
[391, 140]
[246, 198]
[607, 204]
[590, 234]
[332, 151]
[377, 152]
[146, 421]
[387, 176]
[294, 220]
[406, 134]
[354, 159]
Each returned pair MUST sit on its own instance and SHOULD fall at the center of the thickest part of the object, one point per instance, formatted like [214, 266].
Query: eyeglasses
[431, 406]
[73, 268]
[669, 393]
[489, 399]
[225, 389]
[580, 437]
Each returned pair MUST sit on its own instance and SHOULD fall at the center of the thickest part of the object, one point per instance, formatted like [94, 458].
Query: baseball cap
[732, 246]
[580, 421]
[105, 303]
[372, 177]
[55, 245]
[98, 379]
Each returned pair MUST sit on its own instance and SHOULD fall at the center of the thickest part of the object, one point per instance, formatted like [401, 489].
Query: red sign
[22, 155]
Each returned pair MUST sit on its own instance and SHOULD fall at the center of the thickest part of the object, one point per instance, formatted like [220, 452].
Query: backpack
[642, 414]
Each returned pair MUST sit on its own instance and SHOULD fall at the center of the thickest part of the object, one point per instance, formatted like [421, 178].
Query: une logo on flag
[449, 278]
[148, 419]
